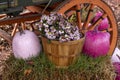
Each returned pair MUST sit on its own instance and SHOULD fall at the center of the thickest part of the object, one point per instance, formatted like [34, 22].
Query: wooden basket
[62, 54]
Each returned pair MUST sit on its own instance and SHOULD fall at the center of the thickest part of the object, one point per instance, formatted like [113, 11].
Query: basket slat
[62, 54]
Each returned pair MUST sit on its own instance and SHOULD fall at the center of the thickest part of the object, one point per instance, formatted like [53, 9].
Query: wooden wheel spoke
[23, 26]
[70, 13]
[97, 22]
[87, 21]
[78, 9]
[108, 30]
[2, 15]
[14, 30]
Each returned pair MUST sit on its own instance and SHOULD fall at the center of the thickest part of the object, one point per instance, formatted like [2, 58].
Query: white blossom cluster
[57, 27]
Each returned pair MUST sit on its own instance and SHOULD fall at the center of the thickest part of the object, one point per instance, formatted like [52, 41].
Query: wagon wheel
[70, 7]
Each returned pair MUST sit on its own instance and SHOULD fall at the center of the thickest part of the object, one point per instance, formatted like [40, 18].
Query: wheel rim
[74, 6]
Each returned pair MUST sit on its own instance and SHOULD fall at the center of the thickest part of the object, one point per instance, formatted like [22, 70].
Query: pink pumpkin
[26, 45]
[117, 69]
[104, 24]
[96, 43]
[117, 77]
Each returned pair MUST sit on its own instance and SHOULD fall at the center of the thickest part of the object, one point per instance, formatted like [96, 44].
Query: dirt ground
[114, 4]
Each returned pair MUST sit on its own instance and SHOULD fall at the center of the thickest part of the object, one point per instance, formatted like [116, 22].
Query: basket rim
[64, 43]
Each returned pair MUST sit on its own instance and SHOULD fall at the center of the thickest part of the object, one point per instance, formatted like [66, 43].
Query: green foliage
[39, 68]
[94, 68]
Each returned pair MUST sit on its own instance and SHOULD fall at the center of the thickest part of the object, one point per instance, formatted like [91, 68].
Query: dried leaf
[27, 72]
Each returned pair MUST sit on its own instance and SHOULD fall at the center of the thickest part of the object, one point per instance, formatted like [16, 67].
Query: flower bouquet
[62, 41]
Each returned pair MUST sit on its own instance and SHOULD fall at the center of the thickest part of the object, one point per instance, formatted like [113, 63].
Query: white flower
[62, 39]
[53, 18]
[55, 26]
[44, 17]
[67, 27]
[71, 36]
[52, 29]
[66, 35]
[50, 35]
[47, 30]
[61, 32]
[45, 25]
[68, 31]
[40, 28]
[49, 21]
[61, 24]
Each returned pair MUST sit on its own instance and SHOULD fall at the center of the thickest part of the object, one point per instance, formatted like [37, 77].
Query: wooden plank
[6, 36]
[20, 19]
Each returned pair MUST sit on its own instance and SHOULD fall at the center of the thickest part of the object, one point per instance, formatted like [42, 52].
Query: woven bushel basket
[62, 54]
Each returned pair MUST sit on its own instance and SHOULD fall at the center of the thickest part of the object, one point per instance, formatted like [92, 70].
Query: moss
[39, 68]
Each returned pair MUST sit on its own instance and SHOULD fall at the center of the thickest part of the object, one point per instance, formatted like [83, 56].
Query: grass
[39, 68]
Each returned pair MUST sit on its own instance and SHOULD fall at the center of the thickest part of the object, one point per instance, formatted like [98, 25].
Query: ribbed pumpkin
[96, 43]
[117, 70]
[26, 45]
